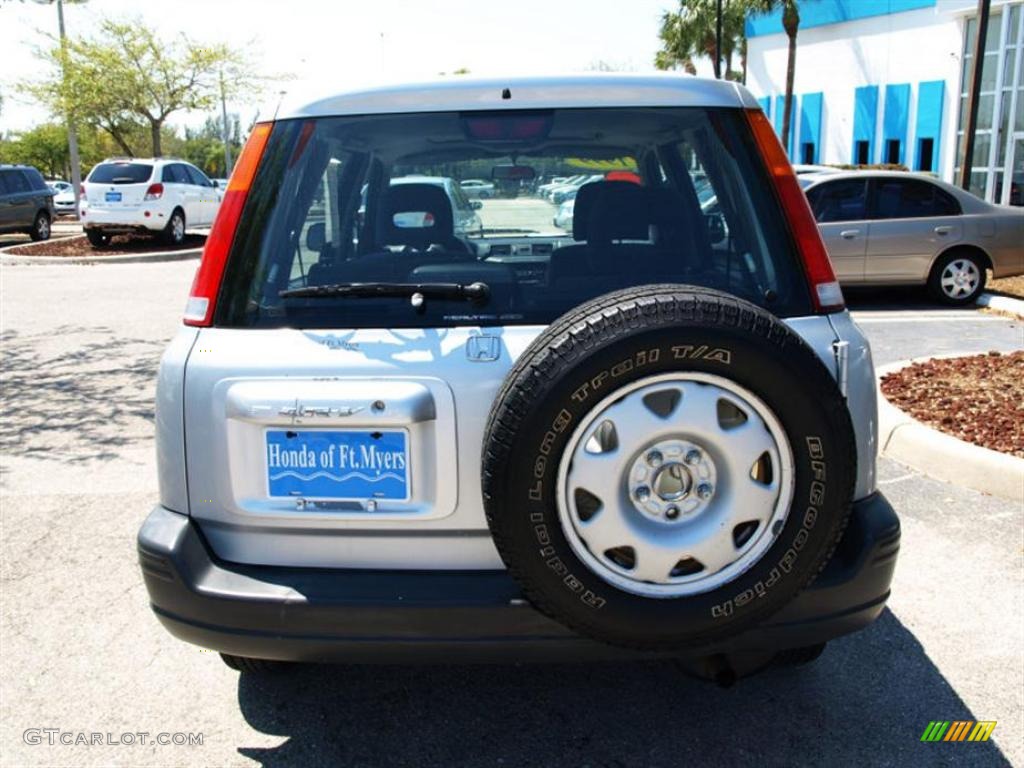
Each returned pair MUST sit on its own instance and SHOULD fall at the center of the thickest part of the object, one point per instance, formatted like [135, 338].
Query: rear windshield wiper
[477, 293]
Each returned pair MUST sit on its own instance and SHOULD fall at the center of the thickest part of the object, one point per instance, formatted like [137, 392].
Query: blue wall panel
[930, 96]
[865, 117]
[896, 117]
[780, 109]
[766, 106]
[818, 13]
[810, 125]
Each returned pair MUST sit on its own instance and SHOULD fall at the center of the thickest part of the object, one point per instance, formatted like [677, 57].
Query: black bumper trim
[319, 614]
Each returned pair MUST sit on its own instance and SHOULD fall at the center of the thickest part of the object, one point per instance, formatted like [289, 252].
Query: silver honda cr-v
[381, 435]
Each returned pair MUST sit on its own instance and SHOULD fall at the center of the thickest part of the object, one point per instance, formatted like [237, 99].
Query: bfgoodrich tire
[663, 423]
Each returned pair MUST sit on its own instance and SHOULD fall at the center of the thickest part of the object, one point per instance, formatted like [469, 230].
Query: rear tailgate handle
[943, 230]
[849, 234]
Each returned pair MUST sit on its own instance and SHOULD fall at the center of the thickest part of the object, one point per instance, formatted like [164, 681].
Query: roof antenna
[506, 93]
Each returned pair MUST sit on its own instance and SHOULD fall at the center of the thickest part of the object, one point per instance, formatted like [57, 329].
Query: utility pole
[224, 133]
[977, 63]
[718, 40]
[76, 171]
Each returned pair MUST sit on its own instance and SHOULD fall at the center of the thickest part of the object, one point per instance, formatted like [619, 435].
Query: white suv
[146, 196]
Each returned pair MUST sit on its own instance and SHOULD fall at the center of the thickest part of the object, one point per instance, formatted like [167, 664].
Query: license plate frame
[112, 197]
[346, 477]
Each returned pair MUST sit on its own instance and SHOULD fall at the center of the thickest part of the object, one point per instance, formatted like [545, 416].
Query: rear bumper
[124, 220]
[313, 614]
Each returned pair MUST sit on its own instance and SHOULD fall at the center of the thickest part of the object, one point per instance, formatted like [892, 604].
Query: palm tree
[690, 33]
[790, 23]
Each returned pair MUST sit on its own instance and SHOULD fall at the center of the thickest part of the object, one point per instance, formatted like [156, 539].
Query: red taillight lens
[155, 192]
[81, 192]
[203, 298]
[825, 291]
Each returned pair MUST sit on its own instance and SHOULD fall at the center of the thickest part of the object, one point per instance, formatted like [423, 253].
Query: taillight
[81, 192]
[203, 298]
[825, 290]
[155, 192]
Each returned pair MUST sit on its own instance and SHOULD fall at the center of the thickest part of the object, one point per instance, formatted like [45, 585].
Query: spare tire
[666, 466]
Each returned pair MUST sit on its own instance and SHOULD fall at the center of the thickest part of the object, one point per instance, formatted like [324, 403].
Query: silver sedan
[898, 228]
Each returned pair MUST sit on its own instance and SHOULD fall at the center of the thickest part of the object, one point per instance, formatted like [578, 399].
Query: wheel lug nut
[692, 456]
[654, 458]
[672, 513]
[643, 493]
[704, 491]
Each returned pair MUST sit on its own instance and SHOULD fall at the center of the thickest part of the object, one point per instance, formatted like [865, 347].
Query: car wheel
[666, 466]
[40, 227]
[957, 278]
[174, 232]
[97, 239]
[247, 664]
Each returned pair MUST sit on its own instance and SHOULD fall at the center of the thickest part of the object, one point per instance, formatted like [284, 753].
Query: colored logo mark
[958, 730]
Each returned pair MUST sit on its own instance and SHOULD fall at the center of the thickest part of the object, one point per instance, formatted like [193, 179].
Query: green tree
[127, 76]
[791, 25]
[204, 146]
[689, 33]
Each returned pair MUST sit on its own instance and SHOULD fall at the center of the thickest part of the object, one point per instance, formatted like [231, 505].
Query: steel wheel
[960, 279]
[675, 484]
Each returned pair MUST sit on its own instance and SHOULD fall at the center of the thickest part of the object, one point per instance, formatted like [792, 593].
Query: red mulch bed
[119, 245]
[1008, 286]
[979, 399]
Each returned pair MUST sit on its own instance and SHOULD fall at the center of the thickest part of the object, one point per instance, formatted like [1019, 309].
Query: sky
[335, 46]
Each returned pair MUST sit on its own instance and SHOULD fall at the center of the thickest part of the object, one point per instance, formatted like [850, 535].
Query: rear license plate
[112, 197]
[337, 465]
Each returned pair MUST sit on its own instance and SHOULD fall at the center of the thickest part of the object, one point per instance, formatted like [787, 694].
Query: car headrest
[586, 196]
[316, 236]
[417, 215]
[622, 210]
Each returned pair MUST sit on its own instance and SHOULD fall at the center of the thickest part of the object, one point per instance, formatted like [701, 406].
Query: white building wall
[908, 47]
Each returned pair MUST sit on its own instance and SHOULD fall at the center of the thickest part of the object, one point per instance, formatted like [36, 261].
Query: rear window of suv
[121, 173]
[664, 195]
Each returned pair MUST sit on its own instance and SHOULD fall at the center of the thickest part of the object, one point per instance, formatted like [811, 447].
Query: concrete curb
[10, 259]
[1002, 303]
[942, 456]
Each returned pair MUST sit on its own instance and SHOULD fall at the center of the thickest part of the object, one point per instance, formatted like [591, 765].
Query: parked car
[379, 439]
[160, 196]
[560, 194]
[898, 228]
[220, 183]
[554, 181]
[563, 217]
[26, 203]
[801, 169]
[477, 188]
[547, 191]
[58, 185]
[64, 202]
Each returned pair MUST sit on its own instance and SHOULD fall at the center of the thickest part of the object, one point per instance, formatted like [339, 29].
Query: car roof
[580, 90]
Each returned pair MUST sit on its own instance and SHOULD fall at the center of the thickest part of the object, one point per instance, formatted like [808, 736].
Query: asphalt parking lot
[80, 651]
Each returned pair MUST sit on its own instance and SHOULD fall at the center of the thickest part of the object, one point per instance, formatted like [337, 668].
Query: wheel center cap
[672, 482]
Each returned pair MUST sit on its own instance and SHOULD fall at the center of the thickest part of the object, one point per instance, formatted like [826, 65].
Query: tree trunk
[118, 139]
[154, 130]
[743, 58]
[791, 22]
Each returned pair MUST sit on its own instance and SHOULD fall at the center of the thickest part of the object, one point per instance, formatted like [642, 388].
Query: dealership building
[886, 81]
